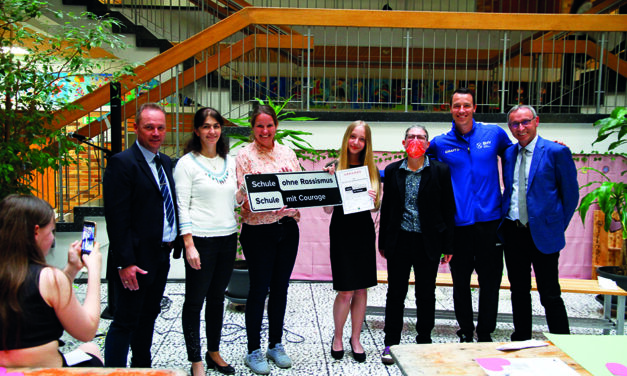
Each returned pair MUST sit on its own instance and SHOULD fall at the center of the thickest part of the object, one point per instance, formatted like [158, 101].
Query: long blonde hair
[366, 157]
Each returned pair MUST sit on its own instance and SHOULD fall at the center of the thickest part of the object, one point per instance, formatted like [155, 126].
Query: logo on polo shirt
[484, 144]
[452, 150]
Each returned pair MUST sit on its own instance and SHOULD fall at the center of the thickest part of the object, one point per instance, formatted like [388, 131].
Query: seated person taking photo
[38, 301]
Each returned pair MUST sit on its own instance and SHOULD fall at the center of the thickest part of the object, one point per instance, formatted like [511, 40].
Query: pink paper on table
[493, 364]
[617, 369]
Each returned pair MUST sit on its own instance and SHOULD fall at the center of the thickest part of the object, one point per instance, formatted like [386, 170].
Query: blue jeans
[270, 252]
[217, 255]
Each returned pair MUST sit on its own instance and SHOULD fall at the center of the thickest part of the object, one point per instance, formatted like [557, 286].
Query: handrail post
[407, 88]
[180, 96]
[60, 206]
[504, 72]
[600, 83]
[308, 64]
[116, 116]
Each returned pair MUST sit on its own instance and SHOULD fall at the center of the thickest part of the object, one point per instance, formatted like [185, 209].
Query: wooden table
[458, 358]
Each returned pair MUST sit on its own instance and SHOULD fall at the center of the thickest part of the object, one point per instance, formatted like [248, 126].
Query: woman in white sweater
[207, 194]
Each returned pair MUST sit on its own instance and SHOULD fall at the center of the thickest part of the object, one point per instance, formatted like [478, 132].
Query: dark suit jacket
[436, 208]
[552, 192]
[134, 209]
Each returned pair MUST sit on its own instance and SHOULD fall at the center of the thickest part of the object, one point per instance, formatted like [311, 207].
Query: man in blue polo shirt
[470, 149]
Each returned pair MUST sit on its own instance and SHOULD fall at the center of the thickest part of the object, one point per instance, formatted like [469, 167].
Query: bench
[570, 285]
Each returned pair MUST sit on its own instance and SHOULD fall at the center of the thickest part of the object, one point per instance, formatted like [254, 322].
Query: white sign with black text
[291, 189]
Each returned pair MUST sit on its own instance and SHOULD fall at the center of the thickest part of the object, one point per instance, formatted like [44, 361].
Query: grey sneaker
[278, 355]
[257, 363]
[386, 357]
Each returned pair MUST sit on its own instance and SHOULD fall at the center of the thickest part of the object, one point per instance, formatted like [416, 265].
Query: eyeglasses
[416, 137]
[524, 123]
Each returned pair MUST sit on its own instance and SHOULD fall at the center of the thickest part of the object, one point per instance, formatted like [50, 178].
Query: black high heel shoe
[225, 370]
[359, 357]
[336, 354]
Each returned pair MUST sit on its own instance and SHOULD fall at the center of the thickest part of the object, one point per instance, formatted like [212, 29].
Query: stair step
[80, 212]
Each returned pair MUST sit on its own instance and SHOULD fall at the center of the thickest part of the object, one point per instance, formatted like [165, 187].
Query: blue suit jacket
[552, 192]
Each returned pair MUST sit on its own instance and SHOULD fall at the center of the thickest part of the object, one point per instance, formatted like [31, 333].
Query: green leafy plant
[302, 148]
[610, 196]
[615, 124]
[289, 137]
[35, 62]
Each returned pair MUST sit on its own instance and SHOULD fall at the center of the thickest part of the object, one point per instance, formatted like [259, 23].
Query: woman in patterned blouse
[269, 241]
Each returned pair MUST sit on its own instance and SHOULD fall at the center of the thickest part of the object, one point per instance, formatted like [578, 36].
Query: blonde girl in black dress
[352, 237]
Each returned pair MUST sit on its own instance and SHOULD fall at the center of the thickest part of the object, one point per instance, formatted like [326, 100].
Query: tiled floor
[309, 327]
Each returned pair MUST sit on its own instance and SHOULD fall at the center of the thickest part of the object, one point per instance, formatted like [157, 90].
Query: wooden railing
[346, 18]
[210, 51]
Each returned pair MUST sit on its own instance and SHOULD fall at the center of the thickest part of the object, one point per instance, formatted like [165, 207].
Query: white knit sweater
[205, 190]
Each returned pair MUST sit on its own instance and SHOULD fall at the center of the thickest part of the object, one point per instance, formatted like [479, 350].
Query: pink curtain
[313, 262]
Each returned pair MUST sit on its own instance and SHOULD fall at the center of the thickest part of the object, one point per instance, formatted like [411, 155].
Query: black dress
[353, 253]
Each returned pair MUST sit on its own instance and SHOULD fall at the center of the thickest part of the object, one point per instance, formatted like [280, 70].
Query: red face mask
[415, 149]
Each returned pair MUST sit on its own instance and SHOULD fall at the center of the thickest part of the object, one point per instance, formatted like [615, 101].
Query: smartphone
[89, 236]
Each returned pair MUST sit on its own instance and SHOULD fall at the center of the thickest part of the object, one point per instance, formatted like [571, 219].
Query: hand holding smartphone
[89, 237]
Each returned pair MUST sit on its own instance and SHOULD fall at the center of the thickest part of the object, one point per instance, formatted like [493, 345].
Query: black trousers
[410, 253]
[476, 250]
[520, 254]
[135, 315]
[270, 252]
[217, 255]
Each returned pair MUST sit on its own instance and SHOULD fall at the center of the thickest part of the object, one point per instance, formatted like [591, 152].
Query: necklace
[214, 162]
[219, 174]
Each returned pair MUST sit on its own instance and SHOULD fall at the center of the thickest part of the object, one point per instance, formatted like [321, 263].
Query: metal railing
[371, 61]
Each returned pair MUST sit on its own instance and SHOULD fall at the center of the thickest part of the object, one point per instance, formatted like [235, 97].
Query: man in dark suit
[140, 210]
[416, 229]
[540, 197]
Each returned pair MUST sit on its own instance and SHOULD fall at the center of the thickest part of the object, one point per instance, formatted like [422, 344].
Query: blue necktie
[165, 192]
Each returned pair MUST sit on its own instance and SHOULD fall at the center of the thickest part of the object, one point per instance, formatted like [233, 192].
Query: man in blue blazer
[540, 197]
[140, 210]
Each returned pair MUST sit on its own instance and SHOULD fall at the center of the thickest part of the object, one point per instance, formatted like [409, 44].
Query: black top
[39, 323]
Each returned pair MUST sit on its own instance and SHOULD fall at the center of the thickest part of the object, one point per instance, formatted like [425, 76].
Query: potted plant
[34, 66]
[237, 290]
[610, 196]
[283, 136]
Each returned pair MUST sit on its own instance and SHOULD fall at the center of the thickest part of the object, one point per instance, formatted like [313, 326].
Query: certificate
[354, 185]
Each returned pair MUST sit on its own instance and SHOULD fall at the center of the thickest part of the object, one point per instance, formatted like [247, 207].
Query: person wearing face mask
[352, 245]
[416, 229]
